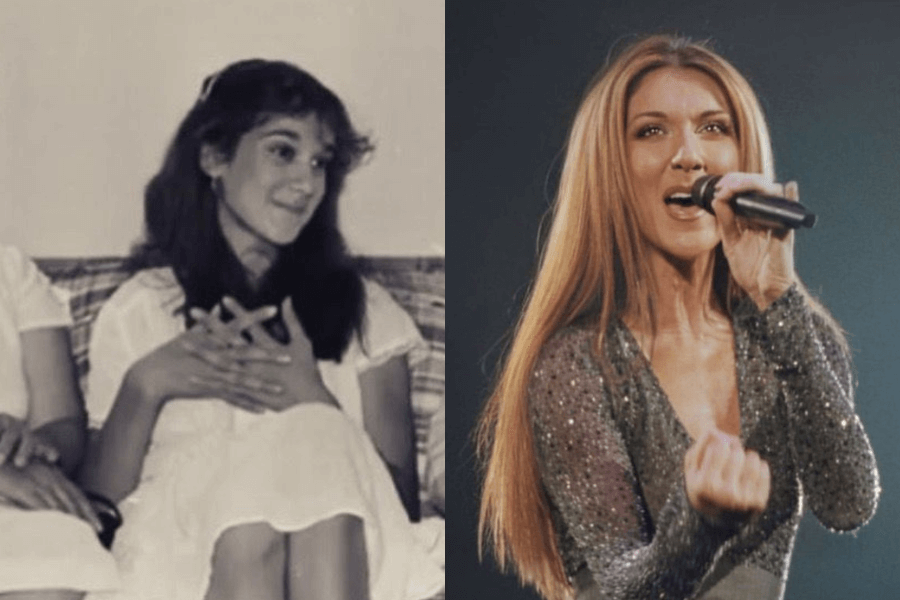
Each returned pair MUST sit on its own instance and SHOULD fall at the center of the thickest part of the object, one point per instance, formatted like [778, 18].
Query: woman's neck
[255, 254]
[684, 301]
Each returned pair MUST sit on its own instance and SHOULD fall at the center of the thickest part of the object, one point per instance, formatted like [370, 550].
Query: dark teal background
[828, 76]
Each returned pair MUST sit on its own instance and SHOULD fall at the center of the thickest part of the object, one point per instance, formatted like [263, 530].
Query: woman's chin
[686, 248]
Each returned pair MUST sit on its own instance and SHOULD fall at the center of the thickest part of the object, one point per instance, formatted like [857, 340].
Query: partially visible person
[49, 548]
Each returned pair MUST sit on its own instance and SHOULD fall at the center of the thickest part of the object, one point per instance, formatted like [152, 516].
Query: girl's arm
[56, 411]
[186, 367]
[115, 457]
[388, 419]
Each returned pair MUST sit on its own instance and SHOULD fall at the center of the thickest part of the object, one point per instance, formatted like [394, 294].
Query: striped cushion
[416, 283]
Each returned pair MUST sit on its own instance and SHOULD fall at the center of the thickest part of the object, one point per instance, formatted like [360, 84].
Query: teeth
[680, 198]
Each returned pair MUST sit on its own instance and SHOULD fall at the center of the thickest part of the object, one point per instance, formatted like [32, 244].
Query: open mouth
[296, 209]
[680, 199]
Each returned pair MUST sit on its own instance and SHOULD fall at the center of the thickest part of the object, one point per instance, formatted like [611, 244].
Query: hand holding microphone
[760, 255]
[761, 209]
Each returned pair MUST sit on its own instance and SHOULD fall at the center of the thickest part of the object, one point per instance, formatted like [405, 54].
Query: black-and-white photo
[222, 300]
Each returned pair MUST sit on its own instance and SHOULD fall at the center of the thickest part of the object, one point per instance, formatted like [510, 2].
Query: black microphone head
[703, 191]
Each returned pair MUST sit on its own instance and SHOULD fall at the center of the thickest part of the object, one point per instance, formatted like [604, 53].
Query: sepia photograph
[222, 300]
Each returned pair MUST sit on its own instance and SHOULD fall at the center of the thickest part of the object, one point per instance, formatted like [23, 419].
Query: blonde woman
[672, 395]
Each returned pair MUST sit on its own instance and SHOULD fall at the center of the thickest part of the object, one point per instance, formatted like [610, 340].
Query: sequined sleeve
[589, 478]
[832, 452]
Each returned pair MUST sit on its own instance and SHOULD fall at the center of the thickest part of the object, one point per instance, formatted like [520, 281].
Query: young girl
[49, 531]
[251, 388]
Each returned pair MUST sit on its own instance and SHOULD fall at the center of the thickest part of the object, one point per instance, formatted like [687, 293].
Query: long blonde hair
[594, 258]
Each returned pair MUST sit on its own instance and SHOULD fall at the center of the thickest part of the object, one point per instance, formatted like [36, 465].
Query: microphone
[769, 211]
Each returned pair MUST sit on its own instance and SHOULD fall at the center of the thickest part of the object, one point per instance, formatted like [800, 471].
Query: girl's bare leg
[327, 561]
[248, 563]
[43, 595]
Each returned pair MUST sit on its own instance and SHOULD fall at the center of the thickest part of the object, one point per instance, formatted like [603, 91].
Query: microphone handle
[770, 211]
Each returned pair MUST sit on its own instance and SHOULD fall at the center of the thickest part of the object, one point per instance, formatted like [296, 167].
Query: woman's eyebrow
[714, 112]
[285, 132]
[656, 114]
[290, 133]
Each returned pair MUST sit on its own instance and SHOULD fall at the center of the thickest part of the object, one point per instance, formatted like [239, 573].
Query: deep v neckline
[663, 397]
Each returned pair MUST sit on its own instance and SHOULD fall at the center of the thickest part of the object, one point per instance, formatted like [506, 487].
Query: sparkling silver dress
[611, 456]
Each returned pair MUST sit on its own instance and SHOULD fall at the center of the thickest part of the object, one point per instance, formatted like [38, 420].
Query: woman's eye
[716, 127]
[649, 130]
[321, 162]
[284, 152]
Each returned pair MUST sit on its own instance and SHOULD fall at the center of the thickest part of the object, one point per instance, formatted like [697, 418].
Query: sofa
[416, 283]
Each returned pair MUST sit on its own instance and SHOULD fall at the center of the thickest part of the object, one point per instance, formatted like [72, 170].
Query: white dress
[40, 549]
[211, 466]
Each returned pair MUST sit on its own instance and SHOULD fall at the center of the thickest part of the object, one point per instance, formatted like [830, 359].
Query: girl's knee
[339, 528]
[250, 544]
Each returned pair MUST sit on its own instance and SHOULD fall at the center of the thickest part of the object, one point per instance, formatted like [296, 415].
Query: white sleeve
[35, 302]
[388, 330]
[111, 354]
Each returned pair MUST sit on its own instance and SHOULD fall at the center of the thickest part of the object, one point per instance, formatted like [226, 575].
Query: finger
[25, 450]
[46, 452]
[29, 498]
[694, 456]
[715, 455]
[9, 438]
[234, 384]
[216, 389]
[729, 230]
[731, 478]
[291, 321]
[732, 183]
[81, 506]
[260, 398]
[43, 495]
[244, 318]
[63, 498]
[791, 191]
[250, 321]
[64, 494]
[215, 328]
[749, 482]
[220, 359]
[716, 480]
[258, 354]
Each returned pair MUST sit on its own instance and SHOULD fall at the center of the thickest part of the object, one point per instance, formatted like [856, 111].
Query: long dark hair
[182, 227]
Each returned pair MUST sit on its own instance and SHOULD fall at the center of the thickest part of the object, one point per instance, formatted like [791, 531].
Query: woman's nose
[302, 179]
[688, 155]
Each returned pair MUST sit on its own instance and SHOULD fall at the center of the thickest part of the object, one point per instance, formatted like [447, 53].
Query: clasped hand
[722, 477]
[761, 259]
[236, 361]
[30, 480]
[20, 443]
[42, 486]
